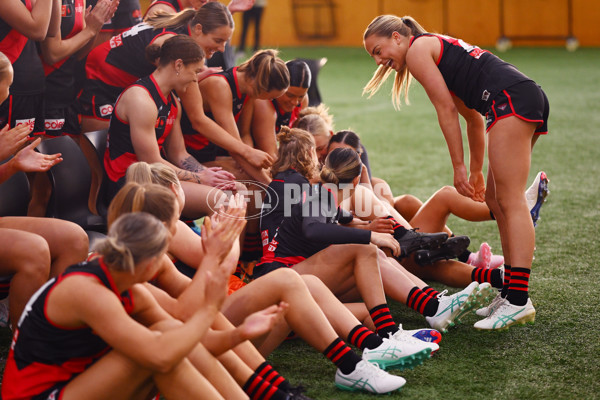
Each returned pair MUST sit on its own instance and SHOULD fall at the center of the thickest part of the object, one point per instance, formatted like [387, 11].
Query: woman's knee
[32, 254]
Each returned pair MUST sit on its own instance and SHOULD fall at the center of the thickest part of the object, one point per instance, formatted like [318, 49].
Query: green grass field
[557, 358]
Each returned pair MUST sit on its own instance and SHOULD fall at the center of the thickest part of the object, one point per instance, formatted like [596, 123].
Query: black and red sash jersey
[174, 4]
[474, 75]
[120, 153]
[60, 77]
[42, 353]
[121, 60]
[196, 140]
[23, 55]
[299, 219]
[285, 118]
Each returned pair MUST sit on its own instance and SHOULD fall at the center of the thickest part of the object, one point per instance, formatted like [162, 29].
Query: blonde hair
[151, 198]
[4, 64]
[267, 70]
[132, 238]
[342, 165]
[211, 16]
[385, 26]
[321, 110]
[295, 147]
[158, 173]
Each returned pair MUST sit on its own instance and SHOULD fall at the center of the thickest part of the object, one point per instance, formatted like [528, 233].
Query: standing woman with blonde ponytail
[463, 79]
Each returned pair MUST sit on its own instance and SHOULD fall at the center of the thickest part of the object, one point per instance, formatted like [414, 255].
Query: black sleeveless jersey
[121, 60]
[197, 141]
[23, 55]
[299, 219]
[285, 118]
[43, 353]
[60, 77]
[120, 153]
[474, 75]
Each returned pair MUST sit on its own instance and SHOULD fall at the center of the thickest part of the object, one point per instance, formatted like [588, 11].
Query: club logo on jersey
[66, 10]
[115, 41]
[54, 124]
[502, 107]
[485, 95]
[160, 122]
[29, 122]
[106, 110]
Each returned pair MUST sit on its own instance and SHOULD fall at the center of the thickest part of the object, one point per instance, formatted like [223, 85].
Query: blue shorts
[525, 100]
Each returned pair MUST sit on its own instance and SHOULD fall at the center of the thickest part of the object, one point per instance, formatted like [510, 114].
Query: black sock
[363, 338]
[429, 291]
[507, 269]
[342, 356]
[269, 374]
[421, 302]
[518, 286]
[493, 276]
[399, 230]
[383, 320]
[258, 389]
[464, 256]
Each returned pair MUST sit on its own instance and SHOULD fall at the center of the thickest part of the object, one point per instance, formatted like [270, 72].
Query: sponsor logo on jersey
[54, 124]
[66, 10]
[106, 110]
[115, 41]
[485, 95]
[30, 122]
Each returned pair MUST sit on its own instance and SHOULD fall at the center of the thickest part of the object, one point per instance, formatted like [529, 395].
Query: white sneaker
[451, 306]
[401, 354]
[367, 377]
[486, 311]
[536, 195]
[507, 314]
[4, 317]
[484, 294]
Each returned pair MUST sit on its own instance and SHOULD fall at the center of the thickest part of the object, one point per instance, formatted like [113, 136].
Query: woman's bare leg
[68, 242]
[433, 215]
[25, 256]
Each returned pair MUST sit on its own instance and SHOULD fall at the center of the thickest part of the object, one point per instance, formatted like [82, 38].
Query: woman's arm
[192, 102]
[83, 300]
[264, 119]
[476, 137]
[54, 48]
[33, 24]
[420, 61]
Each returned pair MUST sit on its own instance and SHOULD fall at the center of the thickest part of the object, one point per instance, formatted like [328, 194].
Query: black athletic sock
[518, 287]
[464, 256]
[383, 320]
[493, 276]
[269, 374]
[258, 389]
[364, 338]
[422, 303]
[507, 269]
[342, 356]
[399, 230]
[429, 291]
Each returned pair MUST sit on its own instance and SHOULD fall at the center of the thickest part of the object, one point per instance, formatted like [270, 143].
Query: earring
[177, 73]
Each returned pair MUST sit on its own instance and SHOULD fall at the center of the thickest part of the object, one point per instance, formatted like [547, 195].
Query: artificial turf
[557, 357]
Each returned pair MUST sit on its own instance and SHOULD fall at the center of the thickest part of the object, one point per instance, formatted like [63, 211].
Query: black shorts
[62, 120]
[27, 109]
[54, 393]
[525, 100]
[97, 99]
[264, 268]
[128, 14]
